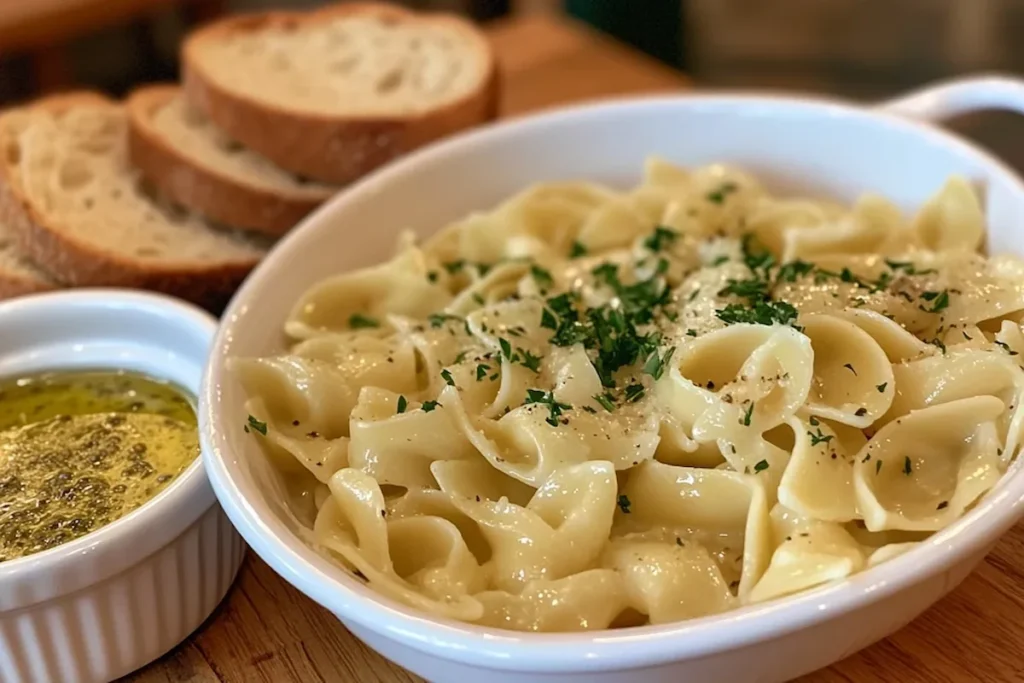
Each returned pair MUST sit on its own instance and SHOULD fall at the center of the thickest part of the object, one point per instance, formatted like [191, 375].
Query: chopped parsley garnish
[258, 425]
[761, 313]
[691, 333]
[719, 260]
[938, 342]
[634, 392]
[432, 275]
[881, 387]
[748, 414]
[719, 195]
[358, 321]
[940, 301]
[479, 300]
[655, 365]
[878, 466]
[429, 406]
[624, 503]
[530, 361]
[907, 466]
[861, 412]
[661, 237]
[752, 288]
[542, 277]
[907, 267]
[605, 400]
[447, 377]
[461, 356]
[548, 398]
[789, 272]
[402, 405]
[943, 505]
[506, 349]
[577, 250]
[548, 320]
[819, 437]
[454, 266]
[481, 371]
[814, 421]
[439, 319]
[761, 466]
[849, 366]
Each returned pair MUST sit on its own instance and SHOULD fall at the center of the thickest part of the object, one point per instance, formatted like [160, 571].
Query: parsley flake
[542, 277]
[481, 371]
[358, 321]
[881, 387]
[907, 466]
[447, 377]
[402, 405]
[661, 237]
[605, 400]
[748, 414]
[577, 250]
[428, 406]
[761, 466]
[624, 503]
[555, 408]
[258, 425]
[655, 365]
[819, 437]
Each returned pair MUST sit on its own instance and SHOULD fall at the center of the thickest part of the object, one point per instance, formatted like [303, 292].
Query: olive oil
[80, 450]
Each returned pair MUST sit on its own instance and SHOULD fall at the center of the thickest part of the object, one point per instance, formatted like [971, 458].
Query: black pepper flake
[943, 505]
[849, 366]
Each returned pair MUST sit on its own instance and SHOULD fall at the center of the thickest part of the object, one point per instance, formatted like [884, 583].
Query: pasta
[590, 408]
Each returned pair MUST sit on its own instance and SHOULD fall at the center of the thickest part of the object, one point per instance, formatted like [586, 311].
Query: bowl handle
[947, 99]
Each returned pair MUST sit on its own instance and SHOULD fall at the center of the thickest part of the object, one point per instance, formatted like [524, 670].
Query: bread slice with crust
[77, 208]
[335, 93]
[187, 158]
[19, 275]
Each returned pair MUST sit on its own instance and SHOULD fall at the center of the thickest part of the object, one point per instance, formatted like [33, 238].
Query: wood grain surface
[267, 632]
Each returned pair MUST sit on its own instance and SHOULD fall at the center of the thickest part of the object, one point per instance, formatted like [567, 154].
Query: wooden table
[266, 631]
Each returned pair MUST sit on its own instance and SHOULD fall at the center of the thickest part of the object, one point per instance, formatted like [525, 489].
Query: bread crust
[78, 263]
[332, 149]
[204, 189]
[15, 284]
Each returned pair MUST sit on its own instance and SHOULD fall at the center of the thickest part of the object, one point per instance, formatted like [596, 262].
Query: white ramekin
[796, 144]
[103, 605]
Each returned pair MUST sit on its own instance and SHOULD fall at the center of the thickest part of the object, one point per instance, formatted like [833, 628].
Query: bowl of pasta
[703, 388]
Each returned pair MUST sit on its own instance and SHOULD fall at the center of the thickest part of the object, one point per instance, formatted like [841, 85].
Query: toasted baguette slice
[192, 162]
[19, 275]
[332, 94]
[76, 207]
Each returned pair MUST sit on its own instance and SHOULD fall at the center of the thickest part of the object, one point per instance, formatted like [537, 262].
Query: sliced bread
[335, 93]
[78, 209]
[19, 275]
[187, 158]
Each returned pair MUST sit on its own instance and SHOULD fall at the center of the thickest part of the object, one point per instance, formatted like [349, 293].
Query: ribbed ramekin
[101, 606]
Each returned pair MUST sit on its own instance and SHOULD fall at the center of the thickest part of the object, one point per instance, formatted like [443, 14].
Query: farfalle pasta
[591, 408]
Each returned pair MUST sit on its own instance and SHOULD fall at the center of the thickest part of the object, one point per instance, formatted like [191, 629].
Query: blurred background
[856, 48]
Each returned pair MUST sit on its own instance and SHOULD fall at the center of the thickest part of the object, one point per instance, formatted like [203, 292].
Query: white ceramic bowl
[105, 604]
[821, 147]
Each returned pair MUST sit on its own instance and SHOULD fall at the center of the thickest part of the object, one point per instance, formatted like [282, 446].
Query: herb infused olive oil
[79, 450]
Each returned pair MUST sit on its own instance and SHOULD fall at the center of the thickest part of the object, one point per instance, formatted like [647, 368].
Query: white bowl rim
[157, 521]
[352, 601]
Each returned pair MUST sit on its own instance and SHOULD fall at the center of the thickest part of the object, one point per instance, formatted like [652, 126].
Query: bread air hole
[74, 174]
[344, 66]
[390, 82]
[13, 153]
